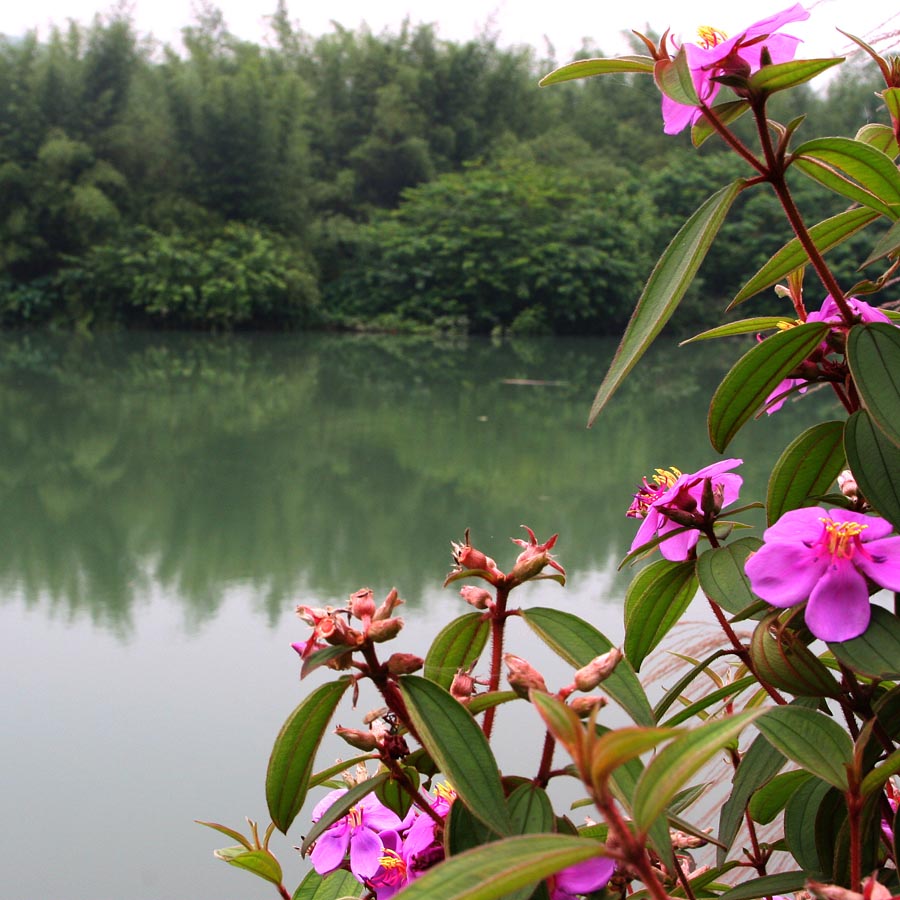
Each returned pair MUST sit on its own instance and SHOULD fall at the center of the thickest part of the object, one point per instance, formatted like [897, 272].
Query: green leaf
[259, 862]
[872, 169]
[732, 689]
[875, 463]
[480, 702]
[319, 658]
[654, 602]
[678, 688]
[294, 752]
[879, 136]
[562, 723]
[667, 284]
[392, 795]
[782, 659]
[800, 816]
[673, 78]
[888, 243]
[743, 326]
[585, 68]
[781, 76]
[616, 748]
[807, 468]
[494, 870]
[771, 798]
[837, 183]
[341, 806]
[726, 113]
[758, 766]
[755, 375]
[767, 886]
[876, 779]
[679, 761]
[791, 256]
[810, 739]
[722, 576]
[228, 832]
[578, 643]
[459, 747]
[335, 886]
[876, 652]
[873, 352]
[457, 646]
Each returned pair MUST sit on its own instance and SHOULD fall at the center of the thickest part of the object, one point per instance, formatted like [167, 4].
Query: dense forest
[355, 180]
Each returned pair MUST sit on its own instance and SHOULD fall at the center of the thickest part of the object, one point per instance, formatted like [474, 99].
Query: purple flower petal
[838, 607]
[365, 852]
[784, 574]
[330, 850]
[583, 877]
[678, 548]
[880, 560]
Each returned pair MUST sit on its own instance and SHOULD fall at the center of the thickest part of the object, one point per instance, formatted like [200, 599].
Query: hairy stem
[498, 627]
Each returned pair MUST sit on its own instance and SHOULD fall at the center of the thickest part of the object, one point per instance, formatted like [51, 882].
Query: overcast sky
[561, 22]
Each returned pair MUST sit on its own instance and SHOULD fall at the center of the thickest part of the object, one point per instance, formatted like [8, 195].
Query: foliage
[348, 147]
[814, 682]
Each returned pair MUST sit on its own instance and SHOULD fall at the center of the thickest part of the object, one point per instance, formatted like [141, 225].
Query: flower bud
[391, 602]
[832, 891]
[462, 687]
[362, 604]
[404, 663]
[531, 561]
[597, 670]
[848, 486]
[362, 740]
[311, 614]
[523, 677]
[683, 841]
[584, 706]
[476, 596]
[384, 630]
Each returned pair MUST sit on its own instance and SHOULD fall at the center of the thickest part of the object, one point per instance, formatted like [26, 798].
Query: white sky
[562, 22]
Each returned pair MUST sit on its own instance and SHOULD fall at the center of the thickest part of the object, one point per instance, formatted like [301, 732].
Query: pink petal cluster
[822, 363]
[582, 878]
[672, 497]
[386, 853]
[825, 557]
[716, 56]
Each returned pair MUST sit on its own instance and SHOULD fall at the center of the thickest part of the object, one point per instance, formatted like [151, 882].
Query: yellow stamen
[666, 477]
[840, 536]
[710, 37]
[785, 325]
[390, 859]
[354, 817]
[444, 790]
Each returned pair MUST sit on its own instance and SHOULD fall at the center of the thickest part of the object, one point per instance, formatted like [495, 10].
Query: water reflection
[307, 466]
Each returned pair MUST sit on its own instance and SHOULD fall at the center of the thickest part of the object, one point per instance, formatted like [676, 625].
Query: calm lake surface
[168, 499]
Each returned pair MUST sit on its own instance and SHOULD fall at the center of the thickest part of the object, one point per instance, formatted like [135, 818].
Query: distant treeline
[354, 180]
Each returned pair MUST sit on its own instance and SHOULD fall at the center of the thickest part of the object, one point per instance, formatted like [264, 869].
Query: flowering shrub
[807, 715]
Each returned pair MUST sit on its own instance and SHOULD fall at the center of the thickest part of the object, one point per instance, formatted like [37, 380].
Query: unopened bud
[391, 602]
[404, 663]
[362, 740]
[679, 516]
[476, 596]
[831, 891]
[847, 485]
[523, 677]
[362, 604]
[584, 706]
[384, 630]
[311, 614]
[597, 670]
[683, 841]
[462, 687]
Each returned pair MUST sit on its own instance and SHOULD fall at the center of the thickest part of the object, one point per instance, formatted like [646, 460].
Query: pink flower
[717, 56]
[825, 557]
[672, 500]
[820, 363]
[357, 832]
[582, 878]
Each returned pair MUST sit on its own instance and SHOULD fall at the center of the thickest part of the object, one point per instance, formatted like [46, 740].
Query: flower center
[710, 37]
[651, 490]
[841, 539]
[394, 868]
[354, 817]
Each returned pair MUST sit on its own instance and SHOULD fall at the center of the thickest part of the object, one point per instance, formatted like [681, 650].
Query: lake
[168, 499]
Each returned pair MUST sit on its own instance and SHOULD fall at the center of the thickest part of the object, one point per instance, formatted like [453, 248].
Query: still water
[166, 501]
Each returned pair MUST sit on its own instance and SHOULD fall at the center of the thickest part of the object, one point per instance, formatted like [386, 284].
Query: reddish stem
[498, 623]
